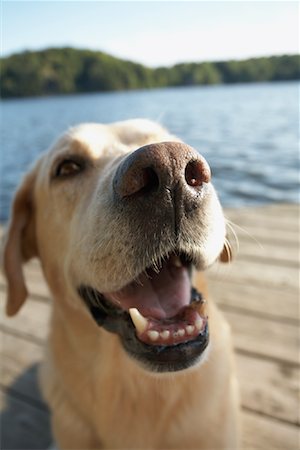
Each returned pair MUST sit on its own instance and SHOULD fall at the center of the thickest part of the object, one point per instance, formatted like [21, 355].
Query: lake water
[249, 133]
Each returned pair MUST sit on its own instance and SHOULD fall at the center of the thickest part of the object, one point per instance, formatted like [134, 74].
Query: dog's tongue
[158, 295]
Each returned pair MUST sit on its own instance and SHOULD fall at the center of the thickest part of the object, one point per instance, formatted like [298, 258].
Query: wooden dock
[259, 295]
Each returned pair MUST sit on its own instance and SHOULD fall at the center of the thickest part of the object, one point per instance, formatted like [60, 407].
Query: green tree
[68, 70]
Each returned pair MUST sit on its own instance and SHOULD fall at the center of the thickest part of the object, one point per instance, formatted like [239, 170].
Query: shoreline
[146, 89]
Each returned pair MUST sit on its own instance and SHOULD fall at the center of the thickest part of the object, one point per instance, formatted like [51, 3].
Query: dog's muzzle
[159, 317]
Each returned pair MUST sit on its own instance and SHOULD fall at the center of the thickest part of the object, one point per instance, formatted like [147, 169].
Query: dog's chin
[159, 317]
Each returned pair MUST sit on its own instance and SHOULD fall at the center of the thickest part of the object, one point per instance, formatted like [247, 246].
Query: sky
[154, 33]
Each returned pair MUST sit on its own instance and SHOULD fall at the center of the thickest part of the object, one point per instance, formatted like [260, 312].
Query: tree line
[68, 70]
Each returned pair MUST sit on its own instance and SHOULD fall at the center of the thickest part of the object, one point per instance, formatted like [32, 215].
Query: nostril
[151, 180]
[143, 181]
[197, 172]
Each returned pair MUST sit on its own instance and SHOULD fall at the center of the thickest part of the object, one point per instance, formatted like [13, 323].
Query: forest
[68, 70]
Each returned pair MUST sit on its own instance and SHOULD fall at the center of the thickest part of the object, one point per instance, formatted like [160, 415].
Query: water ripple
[249, 133]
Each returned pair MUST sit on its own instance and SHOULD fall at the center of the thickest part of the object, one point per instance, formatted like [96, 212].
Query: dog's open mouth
[159, 316]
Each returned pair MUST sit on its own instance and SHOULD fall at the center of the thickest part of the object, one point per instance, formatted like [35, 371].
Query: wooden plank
[269, 387]
[257, 230]
[31, 321]
[36, 282]
[19, 364]
[260, 234]
[17, 354]
[268, 252]
[257, 273]
[23, 426]
[264, 433]
[275, 217]
[261, 300]
[272, 210]
[34, 264]
[265, 338]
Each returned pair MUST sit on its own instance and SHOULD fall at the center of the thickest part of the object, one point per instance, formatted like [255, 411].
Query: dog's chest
[137, 415]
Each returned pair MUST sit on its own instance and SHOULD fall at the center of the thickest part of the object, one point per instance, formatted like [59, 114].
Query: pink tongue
[159, 295]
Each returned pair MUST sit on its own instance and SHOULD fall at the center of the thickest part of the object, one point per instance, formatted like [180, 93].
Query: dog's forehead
[97, 140]
[93, 140]
[103, 141]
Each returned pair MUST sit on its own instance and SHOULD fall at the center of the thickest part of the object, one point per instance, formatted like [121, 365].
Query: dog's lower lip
[163, 356]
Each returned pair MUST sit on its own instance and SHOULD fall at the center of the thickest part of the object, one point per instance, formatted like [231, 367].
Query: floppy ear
[19, 244]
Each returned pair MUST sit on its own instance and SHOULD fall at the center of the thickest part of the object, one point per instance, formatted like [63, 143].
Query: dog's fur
[99, 396]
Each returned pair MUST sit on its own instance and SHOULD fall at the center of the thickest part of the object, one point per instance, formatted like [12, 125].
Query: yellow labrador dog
[120, 215]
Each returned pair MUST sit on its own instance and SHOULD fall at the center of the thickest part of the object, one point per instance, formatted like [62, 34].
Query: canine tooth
[153, 335]
[199, 324]
[165, 334]
[139, 321]
[190, 329]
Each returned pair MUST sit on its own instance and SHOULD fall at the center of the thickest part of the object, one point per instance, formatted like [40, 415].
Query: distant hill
[69, 70]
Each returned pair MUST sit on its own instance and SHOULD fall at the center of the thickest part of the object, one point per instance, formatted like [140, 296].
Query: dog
[124, 219]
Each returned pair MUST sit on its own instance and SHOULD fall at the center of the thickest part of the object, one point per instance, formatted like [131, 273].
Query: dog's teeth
[176, 261]
[199, 324]
[190, 329]
[140, 322]
[165, 334]
[181, 332]
[153, 335]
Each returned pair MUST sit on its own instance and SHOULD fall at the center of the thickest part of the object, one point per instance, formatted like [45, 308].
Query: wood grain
[259, 295]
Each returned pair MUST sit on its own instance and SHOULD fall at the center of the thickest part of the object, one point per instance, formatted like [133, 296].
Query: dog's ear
[19, 244]
[226, 254]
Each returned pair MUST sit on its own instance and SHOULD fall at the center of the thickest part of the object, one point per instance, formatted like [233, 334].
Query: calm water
[248, 133]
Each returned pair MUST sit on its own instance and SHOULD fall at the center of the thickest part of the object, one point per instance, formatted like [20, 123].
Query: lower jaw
[172, 358]
[154, 358]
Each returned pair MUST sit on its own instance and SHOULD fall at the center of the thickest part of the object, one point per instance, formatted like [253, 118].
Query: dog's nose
[161, 166]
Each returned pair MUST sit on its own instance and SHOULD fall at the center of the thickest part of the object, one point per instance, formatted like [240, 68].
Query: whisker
[231, 228]
[232, 224]
[160, 117]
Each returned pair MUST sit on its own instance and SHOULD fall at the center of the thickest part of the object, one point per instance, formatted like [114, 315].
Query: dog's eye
[68, 167]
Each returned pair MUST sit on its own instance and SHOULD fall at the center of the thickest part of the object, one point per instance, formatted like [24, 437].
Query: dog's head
[119, 215]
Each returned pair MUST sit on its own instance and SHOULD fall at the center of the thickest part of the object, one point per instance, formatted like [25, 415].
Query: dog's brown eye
[68, 167]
